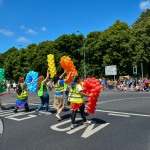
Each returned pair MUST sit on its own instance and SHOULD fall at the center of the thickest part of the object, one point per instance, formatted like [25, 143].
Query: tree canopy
[121, 45]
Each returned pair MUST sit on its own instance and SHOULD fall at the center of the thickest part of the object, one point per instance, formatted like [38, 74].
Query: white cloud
[22, 39]
[145, 5]
[6, 32]
[43, 29]
[30, 31]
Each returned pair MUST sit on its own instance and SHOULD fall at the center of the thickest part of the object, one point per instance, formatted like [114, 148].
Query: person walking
[59, 100]
[43, 93]
[22, 95]
[76, 100]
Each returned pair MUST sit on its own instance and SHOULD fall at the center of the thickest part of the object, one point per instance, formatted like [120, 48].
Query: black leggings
[73, 115]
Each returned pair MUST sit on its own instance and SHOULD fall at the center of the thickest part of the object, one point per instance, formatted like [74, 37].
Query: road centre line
[114, 100]
[123, 113]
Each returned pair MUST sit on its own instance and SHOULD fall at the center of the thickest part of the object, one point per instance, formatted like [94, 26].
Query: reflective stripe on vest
[58, 87]
[74, 95]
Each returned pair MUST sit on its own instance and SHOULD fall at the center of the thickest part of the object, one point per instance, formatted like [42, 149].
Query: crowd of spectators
[126, 83]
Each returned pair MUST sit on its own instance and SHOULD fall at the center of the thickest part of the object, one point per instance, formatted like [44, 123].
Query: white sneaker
[88, 122]
[73, 126]
[48, 113]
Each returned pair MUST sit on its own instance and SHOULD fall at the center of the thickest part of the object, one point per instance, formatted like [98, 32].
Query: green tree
[141, 41]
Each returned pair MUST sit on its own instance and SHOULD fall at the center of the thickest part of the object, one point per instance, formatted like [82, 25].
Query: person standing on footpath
[76, 100]
[43, 93]
[14, 86]
[8, 87]
[59, 100]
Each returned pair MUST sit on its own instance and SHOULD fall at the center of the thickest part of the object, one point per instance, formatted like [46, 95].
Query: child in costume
[22, 95]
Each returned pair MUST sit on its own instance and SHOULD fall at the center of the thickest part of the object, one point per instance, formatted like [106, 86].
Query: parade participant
[59, 101]
[22, 95]
[43, 89]
[76, 100]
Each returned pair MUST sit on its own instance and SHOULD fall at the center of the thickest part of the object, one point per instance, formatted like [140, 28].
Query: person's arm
[67, 77]
[30, 82]
[82, 93]
[60, 77]
[85, 95]
[47, 76]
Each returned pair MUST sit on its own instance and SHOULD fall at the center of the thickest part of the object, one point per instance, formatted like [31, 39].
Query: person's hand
[90, 95]
[48, 70]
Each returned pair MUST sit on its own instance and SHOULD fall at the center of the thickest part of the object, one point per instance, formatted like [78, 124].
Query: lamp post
[83, 45]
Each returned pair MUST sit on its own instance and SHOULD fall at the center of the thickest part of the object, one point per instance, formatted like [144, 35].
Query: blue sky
[23, 22]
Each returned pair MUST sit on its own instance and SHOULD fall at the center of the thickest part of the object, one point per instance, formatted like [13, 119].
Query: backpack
[24, 93]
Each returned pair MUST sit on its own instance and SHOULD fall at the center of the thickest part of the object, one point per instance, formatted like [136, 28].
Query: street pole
[84, 55]
[84, 58]
[142, 70]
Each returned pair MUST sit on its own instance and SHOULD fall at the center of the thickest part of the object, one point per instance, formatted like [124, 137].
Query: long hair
[40, 79]
[55, 78]
[74, 82]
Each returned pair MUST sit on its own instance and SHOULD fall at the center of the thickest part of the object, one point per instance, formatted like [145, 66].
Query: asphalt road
[120, 122]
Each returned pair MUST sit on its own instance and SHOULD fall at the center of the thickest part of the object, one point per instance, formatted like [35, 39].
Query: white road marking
[1, 128]
[2, 115]
[76, 129]
[120, 115]
[20, 119]
[131, 114]
[89, 130]
[122, 99]
[55, 127]
[19, 114]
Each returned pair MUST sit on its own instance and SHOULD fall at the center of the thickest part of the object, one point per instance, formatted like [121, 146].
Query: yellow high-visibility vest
[75, 96]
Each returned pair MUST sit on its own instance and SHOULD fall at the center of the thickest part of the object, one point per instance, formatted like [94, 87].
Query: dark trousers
[73, 115]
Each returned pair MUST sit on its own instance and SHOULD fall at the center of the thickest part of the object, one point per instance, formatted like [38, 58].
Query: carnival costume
[22, 98]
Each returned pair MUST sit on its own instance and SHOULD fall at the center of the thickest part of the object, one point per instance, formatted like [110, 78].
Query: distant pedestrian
[8, 87]
[14, 86]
